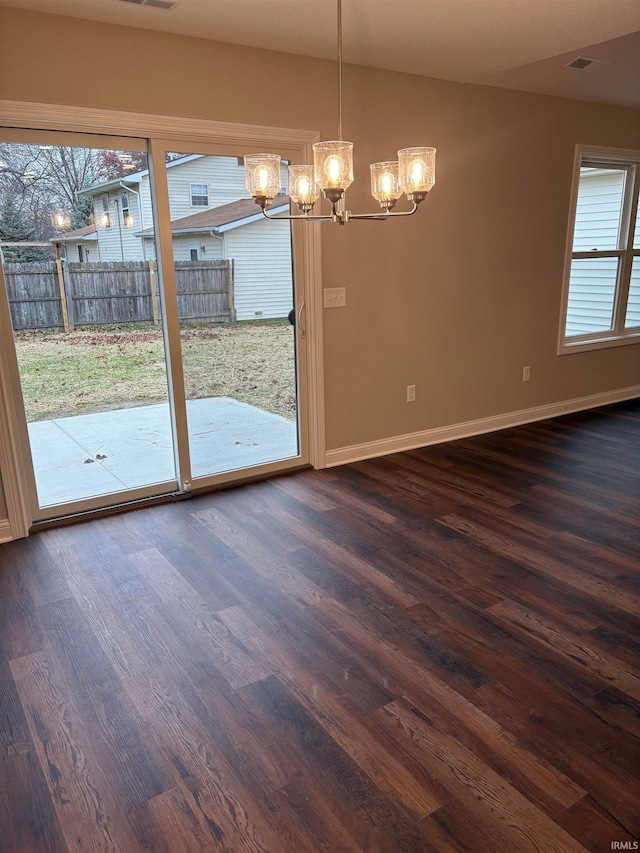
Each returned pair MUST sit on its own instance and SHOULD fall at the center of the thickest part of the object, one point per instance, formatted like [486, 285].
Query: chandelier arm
[327, 218]
[384, 215]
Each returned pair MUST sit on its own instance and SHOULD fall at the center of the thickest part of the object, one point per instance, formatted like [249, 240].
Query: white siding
[592, 289]
[118, 242]
[90, 247]
[593, 282]
[598, 209]
[145, 197]
[263, 282]
[213, 247]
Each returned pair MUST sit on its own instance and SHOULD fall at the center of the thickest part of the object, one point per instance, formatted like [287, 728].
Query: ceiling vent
[158, 4]
[581, 63]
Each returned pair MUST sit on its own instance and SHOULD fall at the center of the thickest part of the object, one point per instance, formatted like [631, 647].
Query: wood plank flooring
[431, 652]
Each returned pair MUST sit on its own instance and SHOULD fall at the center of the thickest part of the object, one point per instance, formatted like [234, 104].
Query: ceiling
[514, 44]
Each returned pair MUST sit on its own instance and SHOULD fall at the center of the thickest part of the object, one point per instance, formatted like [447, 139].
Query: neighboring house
[80, 245]
[200, 186]
[260, 251]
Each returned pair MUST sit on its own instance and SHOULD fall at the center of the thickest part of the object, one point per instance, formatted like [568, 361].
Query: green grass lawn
[96, 370]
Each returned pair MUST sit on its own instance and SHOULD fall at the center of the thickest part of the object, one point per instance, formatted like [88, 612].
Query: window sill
[566, 348]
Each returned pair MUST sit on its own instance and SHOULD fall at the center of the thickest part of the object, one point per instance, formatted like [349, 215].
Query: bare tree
[41, 179]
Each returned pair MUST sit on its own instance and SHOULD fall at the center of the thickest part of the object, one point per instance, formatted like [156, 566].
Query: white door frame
[15, 478]
[54, 117]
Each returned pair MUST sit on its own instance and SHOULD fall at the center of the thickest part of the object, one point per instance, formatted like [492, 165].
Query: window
[199, 195]
[124, 205]
[601, 303]
[194, 253]
[105, 218]
[83, 254]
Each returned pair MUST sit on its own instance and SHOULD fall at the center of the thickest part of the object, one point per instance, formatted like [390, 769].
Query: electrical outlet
[411, 393]
[526, 374]
[335, 297]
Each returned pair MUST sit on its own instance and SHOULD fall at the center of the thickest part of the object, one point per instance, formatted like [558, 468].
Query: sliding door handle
[300, 324]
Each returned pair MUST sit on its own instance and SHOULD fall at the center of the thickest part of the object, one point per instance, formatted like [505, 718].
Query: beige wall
[455, 300]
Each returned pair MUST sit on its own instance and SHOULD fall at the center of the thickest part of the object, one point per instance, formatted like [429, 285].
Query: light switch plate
[335, 297]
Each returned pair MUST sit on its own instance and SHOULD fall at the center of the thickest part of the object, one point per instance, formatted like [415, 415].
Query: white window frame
[201, 195]
[105, 217]
[194, 247]
[616, 336]
[127, 221]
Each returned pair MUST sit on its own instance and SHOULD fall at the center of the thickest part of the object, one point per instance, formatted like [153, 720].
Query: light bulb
[262, 177]
[303, 187]
[386, 183]
[417, 170]
[334, 167]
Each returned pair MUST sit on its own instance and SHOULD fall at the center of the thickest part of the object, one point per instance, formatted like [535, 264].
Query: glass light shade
[262, 175]
[303, 189]
[417, 170]
[384, 183]
[61, 220]
[333, 165]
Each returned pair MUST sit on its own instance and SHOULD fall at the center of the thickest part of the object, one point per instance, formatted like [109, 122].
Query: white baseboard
[411, 441]
[5, 531]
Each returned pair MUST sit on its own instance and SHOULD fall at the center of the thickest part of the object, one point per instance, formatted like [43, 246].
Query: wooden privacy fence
[62, 295]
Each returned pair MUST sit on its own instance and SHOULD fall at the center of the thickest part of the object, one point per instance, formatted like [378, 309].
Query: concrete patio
[90, 455]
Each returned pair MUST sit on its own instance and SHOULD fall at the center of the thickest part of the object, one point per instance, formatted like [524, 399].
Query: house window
[601, 301]
[194, 253]
[199, 195]
[124, 204]
[105, 217]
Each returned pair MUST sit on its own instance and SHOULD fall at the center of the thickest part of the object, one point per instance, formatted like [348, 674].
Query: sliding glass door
[233, 274]
[149, 303]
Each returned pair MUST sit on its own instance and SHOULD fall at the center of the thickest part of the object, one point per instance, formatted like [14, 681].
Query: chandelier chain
[340, 70]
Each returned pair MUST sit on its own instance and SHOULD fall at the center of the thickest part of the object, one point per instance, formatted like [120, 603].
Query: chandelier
[413, 174]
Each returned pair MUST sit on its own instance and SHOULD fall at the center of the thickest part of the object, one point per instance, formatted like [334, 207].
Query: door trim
[34, 116]
[14, 477]
[38, 116]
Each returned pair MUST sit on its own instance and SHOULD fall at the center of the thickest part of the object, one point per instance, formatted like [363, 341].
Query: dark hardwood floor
[433, 651]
